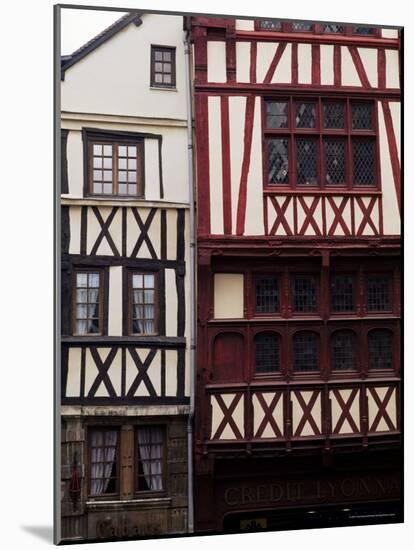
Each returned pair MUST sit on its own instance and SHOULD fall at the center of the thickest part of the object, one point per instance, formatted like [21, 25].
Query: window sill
[162, 89]
[128, 504]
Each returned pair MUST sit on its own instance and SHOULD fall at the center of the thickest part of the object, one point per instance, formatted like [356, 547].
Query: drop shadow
[42, 532]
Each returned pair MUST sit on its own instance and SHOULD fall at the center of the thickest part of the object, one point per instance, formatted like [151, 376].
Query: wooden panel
[268, 417]
[306, 413]
[227, 416]
[127, 464]
[382, 409]
[228, 357]
[345, 410]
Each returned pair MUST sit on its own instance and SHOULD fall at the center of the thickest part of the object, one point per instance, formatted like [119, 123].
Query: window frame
[102, 300]
[382, 371]
[311, 374]
[305, 274]
[338, 373]
[281, 371]
[344, 273]
[129, 295]
[103, 427]
[317, 28]
[320, 134]
[150, 493]
[279, 278]
[115, 139]
[162, 85]
[389, 277]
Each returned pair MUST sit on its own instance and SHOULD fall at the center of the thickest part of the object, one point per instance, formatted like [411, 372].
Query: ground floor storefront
[274, 493]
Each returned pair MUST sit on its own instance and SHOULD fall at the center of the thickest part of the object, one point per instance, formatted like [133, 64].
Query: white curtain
[102, 460]
[150, 451]
[87, 299]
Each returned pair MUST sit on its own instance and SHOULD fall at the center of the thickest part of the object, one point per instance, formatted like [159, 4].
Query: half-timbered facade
[298, 178]
[125, 282]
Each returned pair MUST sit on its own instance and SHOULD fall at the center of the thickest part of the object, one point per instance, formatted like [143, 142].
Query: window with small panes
[163, 67]
[320, 143]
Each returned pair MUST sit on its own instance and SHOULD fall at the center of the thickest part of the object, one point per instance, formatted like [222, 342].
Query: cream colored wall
[216, 61]
[389, 33]
[215, 165]
[265, 53]
[237, 109]
[327, 65]
[391, 409]
[337, 411]
[369, 58]
[114, 372]
[74, 367]
[171, 303]
[392, 75]
[258, 415]
[75, 229]
[391, 215]
[217, 416]
[115, 77]
[171, 372]
[304, 63]
[174, 157]
[283, 72]
[271, 214]
[228, 295]
[317, 215]
[254, 223]
[297, 412]
[244, 25]
[349, 73]
[243, 61]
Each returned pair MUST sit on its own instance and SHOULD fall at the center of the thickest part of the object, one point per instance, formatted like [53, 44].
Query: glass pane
[132, 189]
[82, 327]
[122, 163]
[271, 24]
[107, 150]
[267, 352]
[305, 351]
[94, 280]
[361, 116]
[335, 161]
[97, 175]
[138, 296]
[166, 67]
[167, 79]
[380, 349]
[107, 188]
[302, 26]
[93, 295]
[364, 30]
[278, 160]
[306, 151]
[378, 288]
[138, 327]
[334, 115]
[132, 177]
[97, 188]
[158, 55]
[139, 312]
[132, 164]
[149, 296]
[363, 156]
[149, 312]
[149, 281]
[158, 77]
[137, 281]
[343, 356]
[81, 311]
[93, 326]
[305, 115]
[304, 294]
[122, 176]
[82, 279]
[132, 151]
[122, 188]
[97, 149]
[108, 162]
[82, 295]
[107, 175]
[93, 310]
[167, 56]
[158, 67]
[333, 28]
[277, 114]
[267, 295]
[149, 327]
[97, 162]
[342, 293]
[122, 151]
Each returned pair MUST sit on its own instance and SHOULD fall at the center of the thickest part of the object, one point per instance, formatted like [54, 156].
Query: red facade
[298, 175]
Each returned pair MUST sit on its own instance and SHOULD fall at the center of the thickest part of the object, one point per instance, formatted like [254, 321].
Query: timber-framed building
[125, 283]
[298, 177]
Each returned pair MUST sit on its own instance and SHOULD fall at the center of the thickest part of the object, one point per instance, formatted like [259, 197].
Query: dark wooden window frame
[317, 28]
[277, 373]
[316, 278]
[355, 345]
[389, 276]
[163, 491]
[104, 137]
[276, 275]
[129, 297]
[103, 300]
[346, 273]
[394, 350]
[172, 50]
[102, 427]
[319, 133]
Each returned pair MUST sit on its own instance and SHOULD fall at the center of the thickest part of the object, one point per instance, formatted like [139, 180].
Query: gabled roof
[69, 60]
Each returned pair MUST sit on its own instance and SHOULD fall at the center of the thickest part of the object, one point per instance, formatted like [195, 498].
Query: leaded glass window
[302, 26]
[270, 25]
[306, 151]
[380, 349]
[305, 115]
[364, 30]
[343, 350]
[277, 114]
[333, 28]
[267, 295]
[267, 352]
[278, 158]
[342, 293]
[304, 294]
[378, 293]
[305, 351]
[334, 115]
[335, 163]
[363, 161]
[361, 116]
[143, 298]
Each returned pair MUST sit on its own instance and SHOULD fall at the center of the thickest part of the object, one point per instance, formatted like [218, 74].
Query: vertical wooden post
[127, 462]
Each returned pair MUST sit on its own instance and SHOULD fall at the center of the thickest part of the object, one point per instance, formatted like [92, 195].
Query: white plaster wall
[244, 25]
[265, 53]
[171, 372]
[349, 73]
[359, 216]
[152, 172]
[154, 372]
[392, 77]
[115, 77]
[115, 301]
[75, 228]
[254, 224]
[391, 216]
[389, 33]
[243, 61]
[74, 367]
[237, 108]
[215, 165]
[228, 295]
[369, 58]
[74, 152]
[216, 61]
[304, 63]
[171, 303]
[172, 234]
[327, 65]
[283, 72]
[395, 108]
